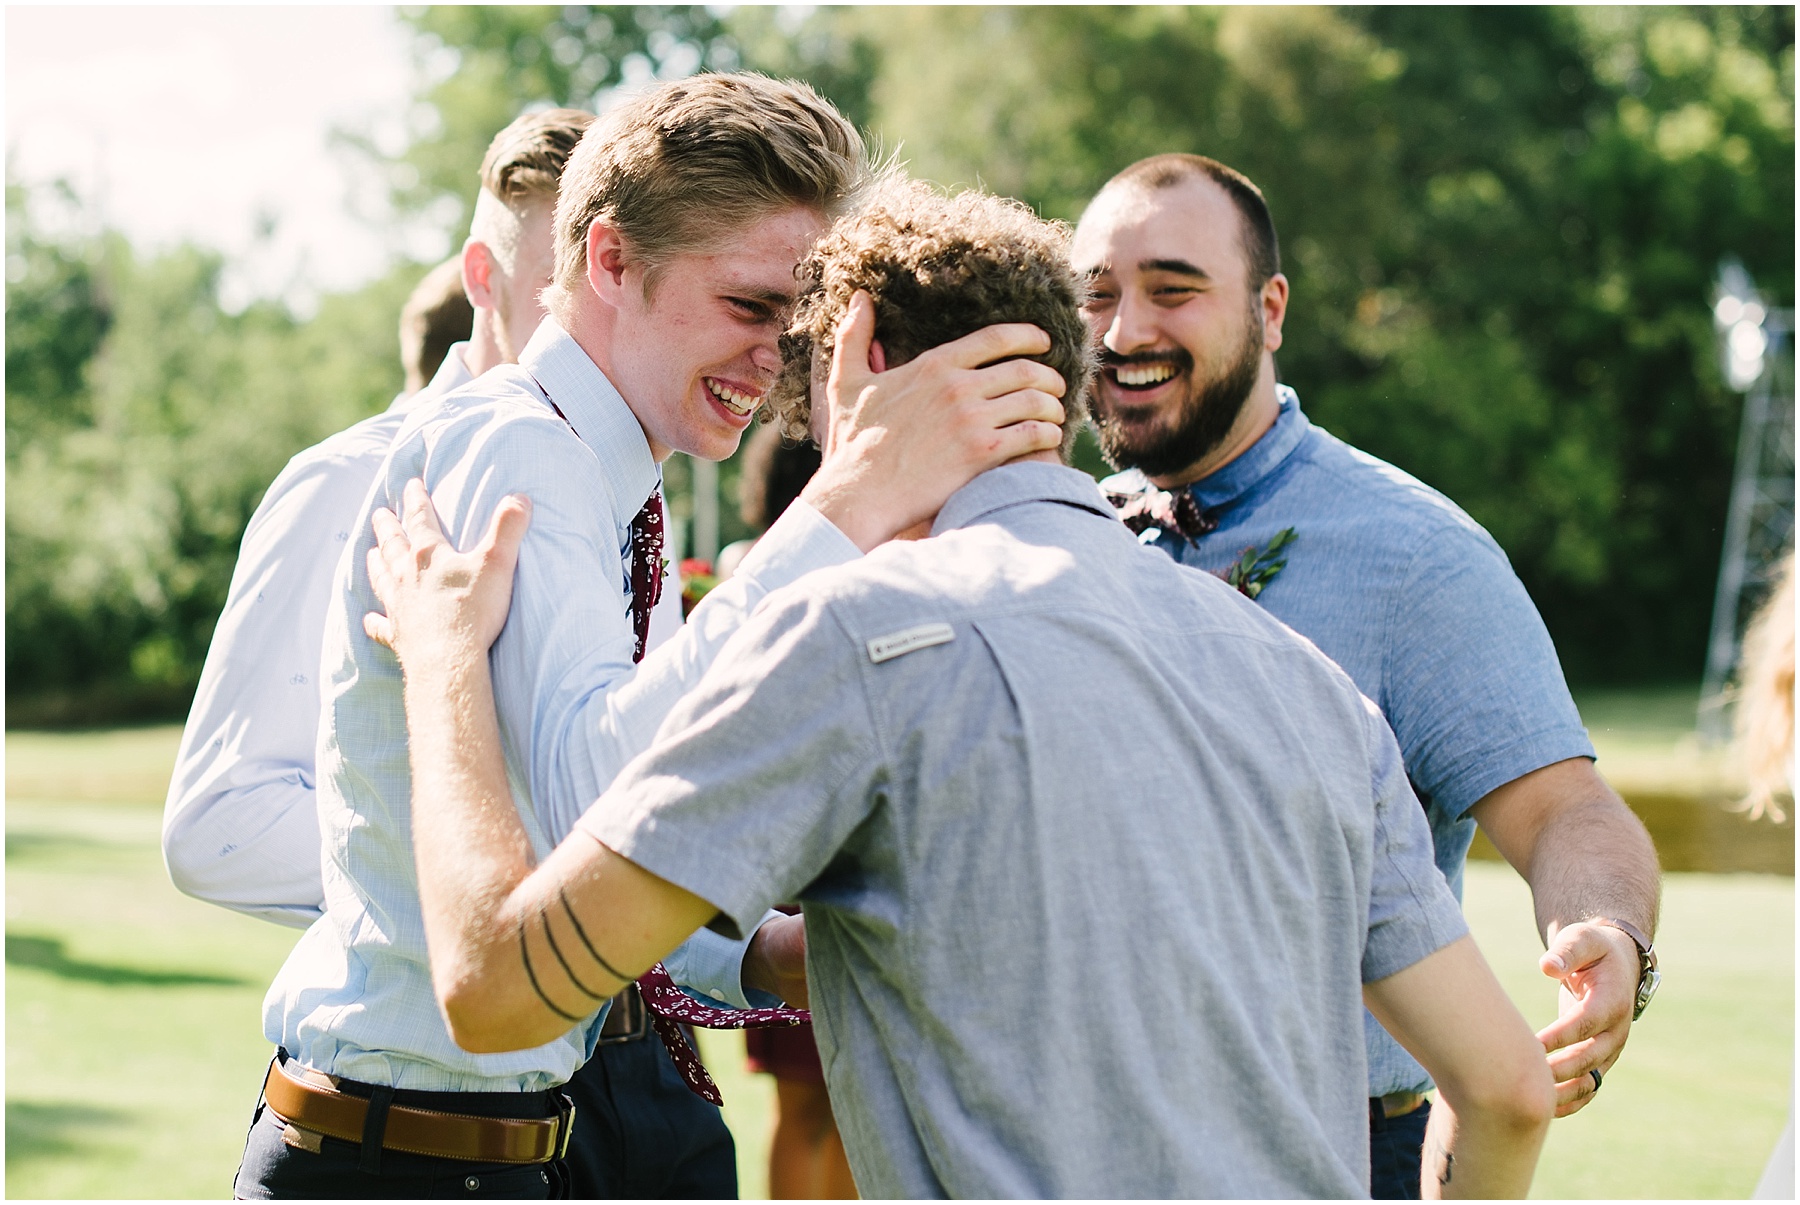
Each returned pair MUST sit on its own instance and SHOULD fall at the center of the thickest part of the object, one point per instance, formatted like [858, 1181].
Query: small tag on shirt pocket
[907, 640]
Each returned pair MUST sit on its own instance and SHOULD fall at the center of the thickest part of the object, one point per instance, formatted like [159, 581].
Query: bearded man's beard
[1201, 421]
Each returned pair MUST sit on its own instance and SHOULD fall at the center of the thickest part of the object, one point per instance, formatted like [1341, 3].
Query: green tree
[1501, 223]
[135, 459]
[483, 65]
[1501, 226]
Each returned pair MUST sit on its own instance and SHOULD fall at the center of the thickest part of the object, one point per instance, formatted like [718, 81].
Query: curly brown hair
[938, 267]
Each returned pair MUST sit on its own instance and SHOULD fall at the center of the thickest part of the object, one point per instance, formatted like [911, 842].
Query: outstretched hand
[440, 601]
[898, 443]
[1598, 968]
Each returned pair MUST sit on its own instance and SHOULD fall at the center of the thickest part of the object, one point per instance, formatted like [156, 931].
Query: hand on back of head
[956, 345]
[898, 443]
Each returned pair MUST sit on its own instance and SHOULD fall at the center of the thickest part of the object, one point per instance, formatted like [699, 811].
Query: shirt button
[472, 1183]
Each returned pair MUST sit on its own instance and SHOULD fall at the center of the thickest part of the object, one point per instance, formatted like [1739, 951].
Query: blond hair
[520, 174]
[678, 167]
[938, 268]
[525, 161]
[1765, 715]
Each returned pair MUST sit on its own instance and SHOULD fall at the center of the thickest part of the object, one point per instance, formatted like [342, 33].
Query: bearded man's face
[1181, 330]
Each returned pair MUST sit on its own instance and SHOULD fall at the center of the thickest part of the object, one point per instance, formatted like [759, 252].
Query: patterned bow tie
[1175, 513]
[669, 1006]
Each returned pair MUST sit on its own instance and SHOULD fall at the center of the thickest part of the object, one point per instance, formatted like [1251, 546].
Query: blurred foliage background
[1501, 225]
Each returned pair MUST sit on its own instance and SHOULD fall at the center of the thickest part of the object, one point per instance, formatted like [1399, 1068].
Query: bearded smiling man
[1388, 577]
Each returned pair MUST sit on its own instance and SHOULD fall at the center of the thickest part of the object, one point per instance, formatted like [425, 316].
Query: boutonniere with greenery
[1258, 566]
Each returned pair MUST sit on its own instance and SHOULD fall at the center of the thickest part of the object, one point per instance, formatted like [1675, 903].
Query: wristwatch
[1649, 978]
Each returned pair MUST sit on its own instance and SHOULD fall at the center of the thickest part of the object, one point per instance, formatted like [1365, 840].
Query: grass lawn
[134, 1044]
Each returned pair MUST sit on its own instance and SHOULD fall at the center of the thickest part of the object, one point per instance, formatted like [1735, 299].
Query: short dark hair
[525, 161]
[437, 315]
[1262, 250]
[938, 267]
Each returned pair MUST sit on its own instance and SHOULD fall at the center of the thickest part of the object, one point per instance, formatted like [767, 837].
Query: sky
[208, 123]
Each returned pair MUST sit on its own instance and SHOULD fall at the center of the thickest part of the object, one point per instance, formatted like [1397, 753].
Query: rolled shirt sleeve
[757, 778]
[241, 826]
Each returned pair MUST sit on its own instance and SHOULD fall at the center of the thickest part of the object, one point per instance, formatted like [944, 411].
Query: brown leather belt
[323, 1110]
[627, 1020]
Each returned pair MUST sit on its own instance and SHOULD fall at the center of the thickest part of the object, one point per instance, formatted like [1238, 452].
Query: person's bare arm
[1585, 855]
[1495, 1095]
[511, 964]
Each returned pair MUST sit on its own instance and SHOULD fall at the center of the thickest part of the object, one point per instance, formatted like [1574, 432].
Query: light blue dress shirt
[241, 823]
[355, 997]
[1419, 606]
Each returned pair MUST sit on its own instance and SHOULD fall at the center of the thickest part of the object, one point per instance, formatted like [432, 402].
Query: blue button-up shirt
[355, 997]
[1419, 606]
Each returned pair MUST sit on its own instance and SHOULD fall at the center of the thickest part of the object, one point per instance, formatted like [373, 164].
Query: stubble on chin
[1201, 419]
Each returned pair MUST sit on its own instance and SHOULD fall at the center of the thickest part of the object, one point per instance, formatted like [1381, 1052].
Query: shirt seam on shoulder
[1440, 520]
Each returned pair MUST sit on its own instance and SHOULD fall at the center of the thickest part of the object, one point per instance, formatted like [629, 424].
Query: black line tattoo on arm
[582, 933]
[525, 953]
[567, 969]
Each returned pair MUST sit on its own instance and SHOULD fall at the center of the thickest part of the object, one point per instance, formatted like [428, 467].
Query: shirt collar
[1014, 484]
[1263, 457]
[453, 373]
[599, 415]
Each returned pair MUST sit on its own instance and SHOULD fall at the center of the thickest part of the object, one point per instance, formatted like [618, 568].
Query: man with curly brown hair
[999, 766]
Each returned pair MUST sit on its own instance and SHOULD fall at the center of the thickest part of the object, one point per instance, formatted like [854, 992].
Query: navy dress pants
[1396, 1154]
[641, 1133]
[638, 1133]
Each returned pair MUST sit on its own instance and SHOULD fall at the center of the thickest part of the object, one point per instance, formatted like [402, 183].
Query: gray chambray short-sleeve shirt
[1025, 767]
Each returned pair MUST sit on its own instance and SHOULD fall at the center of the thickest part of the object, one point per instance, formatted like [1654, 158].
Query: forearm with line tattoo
[485, 922]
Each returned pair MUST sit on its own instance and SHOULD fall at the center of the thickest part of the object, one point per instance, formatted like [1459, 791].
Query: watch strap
[1649, 978]
[1646, 952]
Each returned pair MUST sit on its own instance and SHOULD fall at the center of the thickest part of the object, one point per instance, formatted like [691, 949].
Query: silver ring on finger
[1595, 1072]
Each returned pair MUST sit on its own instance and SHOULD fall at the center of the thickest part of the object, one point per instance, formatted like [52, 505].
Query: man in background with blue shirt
[1388, 577]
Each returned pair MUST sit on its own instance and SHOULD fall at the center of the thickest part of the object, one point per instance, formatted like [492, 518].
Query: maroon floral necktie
[646, 568]
[670, 1007]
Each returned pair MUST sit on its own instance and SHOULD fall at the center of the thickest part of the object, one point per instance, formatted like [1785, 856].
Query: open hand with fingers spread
[1597, 965]
[441, 603]
[899, 442]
